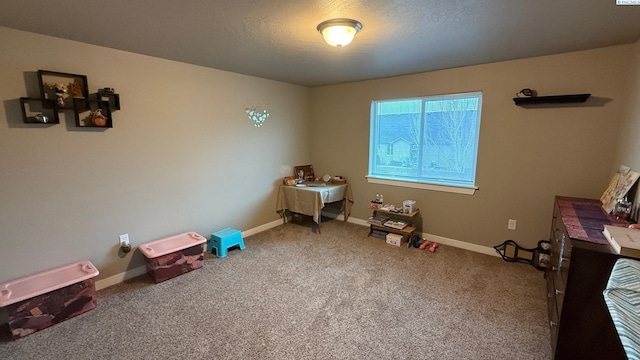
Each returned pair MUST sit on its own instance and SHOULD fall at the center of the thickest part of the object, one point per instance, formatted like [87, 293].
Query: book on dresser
[624, 241]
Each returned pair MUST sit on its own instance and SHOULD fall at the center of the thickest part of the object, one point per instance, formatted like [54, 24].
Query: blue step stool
[225, 239]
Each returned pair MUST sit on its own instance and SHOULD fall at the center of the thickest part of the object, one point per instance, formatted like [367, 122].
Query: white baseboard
[261, 228]
[129, 274]
[356, 221]
[442, 240]
[461, 244]
[118, 278]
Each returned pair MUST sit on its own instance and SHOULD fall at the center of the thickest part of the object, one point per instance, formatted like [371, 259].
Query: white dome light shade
[339, 32]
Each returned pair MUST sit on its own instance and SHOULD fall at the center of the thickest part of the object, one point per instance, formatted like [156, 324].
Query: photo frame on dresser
[618, 187]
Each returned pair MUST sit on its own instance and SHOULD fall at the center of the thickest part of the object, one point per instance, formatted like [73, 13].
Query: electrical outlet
[511, 225]
[124, 239]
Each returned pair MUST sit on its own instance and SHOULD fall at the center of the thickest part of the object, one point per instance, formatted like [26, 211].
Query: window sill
[418, 185]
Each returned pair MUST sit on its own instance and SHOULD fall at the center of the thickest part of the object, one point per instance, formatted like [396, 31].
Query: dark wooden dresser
[580, 265]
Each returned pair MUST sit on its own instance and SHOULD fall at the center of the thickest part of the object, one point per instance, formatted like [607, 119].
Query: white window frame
[419, 183]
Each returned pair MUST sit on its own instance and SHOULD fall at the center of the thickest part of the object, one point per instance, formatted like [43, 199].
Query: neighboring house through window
[429, 142]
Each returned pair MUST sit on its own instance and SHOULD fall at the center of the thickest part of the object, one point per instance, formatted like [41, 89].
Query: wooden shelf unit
[410, 218]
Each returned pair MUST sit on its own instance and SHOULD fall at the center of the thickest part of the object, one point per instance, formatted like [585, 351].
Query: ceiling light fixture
[339, 32]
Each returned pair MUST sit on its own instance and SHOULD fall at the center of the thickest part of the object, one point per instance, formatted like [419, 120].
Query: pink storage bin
[38, 301]
[175, 255]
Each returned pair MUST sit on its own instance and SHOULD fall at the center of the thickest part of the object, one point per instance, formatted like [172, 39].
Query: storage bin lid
[171, 244]
[46, 281]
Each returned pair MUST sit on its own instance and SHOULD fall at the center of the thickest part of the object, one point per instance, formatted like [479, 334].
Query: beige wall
[629, 135]
[526, 156]
[182, 155]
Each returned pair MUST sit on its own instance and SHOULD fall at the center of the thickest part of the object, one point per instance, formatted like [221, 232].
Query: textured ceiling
[277, 39]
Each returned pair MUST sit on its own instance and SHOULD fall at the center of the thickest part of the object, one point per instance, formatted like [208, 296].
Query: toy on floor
[538, 256]
[416, 241]
[429, 244]
[433, 247]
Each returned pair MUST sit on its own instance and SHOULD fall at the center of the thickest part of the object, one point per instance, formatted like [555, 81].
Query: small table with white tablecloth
[309, 200]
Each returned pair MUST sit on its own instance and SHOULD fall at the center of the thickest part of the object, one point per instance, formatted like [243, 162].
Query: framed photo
[62, 88]
[307, 172]
[618, 187]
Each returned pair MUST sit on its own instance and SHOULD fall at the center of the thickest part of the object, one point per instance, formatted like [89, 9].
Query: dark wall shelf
[85, 110]
[62, 92]
[555, 99]
[38, 111]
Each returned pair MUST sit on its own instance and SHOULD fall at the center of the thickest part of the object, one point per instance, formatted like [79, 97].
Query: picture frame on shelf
[62, 88]
[34, 112]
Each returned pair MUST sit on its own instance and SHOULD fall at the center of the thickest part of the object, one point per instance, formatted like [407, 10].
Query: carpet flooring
[297, 294]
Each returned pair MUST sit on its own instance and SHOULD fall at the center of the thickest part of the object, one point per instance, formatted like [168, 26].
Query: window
[426, 141]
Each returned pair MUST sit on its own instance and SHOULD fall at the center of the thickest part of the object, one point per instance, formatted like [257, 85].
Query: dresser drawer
[552, 309]
[564, 261]
[559, 299]
[558, 273]
[559, 263]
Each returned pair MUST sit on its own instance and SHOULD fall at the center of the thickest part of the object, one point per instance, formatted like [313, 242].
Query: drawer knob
[559, 292]
[553, 323]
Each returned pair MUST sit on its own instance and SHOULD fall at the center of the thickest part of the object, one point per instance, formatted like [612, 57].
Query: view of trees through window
[430, 139]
